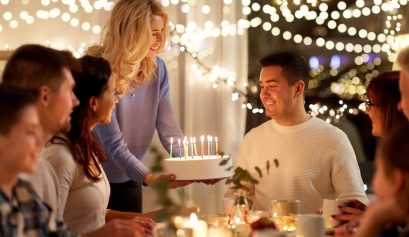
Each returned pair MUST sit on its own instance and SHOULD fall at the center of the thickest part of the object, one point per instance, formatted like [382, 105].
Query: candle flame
[193, 219]
[179, 141]
[202, 138]
[194, 140]
[215, 139]
[171, 140]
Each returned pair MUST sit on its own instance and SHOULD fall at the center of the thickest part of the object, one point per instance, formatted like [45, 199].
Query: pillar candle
[180, 151]
[171, 144]
[191, 147]
[211, 146]
[208, 145]
[202, 138]
[217, 146]
[185, 147]
[194, 144]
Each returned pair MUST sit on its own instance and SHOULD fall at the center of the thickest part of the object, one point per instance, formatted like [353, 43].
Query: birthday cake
[198, 168]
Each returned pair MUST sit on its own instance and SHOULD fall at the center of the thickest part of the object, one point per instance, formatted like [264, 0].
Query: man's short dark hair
[32, 66]
[294, 67]
[12, 101]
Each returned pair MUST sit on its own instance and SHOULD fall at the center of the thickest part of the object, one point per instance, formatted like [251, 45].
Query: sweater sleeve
[166, 123]
[64, 166]
[345, 173]
[116, 149]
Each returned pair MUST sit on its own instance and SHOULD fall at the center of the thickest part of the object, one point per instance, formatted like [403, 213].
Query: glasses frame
[369, 104]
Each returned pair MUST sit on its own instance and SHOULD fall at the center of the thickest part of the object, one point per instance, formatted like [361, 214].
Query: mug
[329, 208]
[310, 225]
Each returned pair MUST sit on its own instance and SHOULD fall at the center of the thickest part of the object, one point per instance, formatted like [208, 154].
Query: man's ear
[299, 87]
[93, 103]
[44, 95]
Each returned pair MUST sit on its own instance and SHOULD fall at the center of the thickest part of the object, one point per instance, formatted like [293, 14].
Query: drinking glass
[283, 213]
[227, 205]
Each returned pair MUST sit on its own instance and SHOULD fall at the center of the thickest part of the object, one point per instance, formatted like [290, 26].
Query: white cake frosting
[198, 168]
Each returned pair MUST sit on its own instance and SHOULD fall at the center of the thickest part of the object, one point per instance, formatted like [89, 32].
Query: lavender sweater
[134, 120]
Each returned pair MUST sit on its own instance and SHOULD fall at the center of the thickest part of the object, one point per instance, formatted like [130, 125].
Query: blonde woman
[134, 35]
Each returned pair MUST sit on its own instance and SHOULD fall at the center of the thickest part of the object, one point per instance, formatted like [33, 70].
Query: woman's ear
[93, 103]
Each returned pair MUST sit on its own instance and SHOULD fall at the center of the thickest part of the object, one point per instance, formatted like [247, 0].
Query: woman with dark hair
[382, 101]
[76, 155]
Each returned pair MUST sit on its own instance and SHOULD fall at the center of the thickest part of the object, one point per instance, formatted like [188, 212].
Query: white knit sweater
[316, 161]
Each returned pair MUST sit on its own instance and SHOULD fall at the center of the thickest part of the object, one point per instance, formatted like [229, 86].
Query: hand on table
[146, 223]
[351, 215]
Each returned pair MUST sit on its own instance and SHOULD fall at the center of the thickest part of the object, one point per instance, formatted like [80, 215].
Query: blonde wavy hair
[403, 59]
[126, 41]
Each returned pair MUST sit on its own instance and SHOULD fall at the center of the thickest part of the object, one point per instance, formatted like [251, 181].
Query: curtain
[199, 107]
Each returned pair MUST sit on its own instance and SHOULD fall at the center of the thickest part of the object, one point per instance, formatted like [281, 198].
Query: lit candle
[211, 146]
[194, 144]
[191, 146]
[217, 146]
[202, 138]
[199, 227]
[180, 151]
[185, 147]
[208, 145]
[171, 144]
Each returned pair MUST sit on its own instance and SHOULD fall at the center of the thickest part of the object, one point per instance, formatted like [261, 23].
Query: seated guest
[51, 77]
[316, 160]
[389, 214]
[382, 101]
[76, 156]
[20, 145]
[382, 107]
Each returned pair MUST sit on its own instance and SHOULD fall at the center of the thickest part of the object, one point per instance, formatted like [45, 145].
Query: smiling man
[316, 160]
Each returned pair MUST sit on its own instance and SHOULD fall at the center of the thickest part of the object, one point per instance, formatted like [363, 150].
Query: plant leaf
[224, 161]
[276, 163]
[268, 167]
[260, 174]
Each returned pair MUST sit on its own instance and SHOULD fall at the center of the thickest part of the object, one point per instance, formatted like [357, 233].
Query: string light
[189, 39]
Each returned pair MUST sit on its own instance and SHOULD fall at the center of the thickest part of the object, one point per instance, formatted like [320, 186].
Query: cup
[283, 213]
[329, 208]
[284, 207]
[227, 205]
[310, 225]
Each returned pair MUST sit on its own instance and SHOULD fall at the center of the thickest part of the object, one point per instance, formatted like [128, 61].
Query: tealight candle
[180, 151]
[202, 138]
[171, 144]
[199, 226]
[217, 146]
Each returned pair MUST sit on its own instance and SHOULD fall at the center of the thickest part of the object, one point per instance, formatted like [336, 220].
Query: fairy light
[190, 39]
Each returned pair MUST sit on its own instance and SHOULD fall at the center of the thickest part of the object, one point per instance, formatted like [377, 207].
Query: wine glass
[228, 205]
